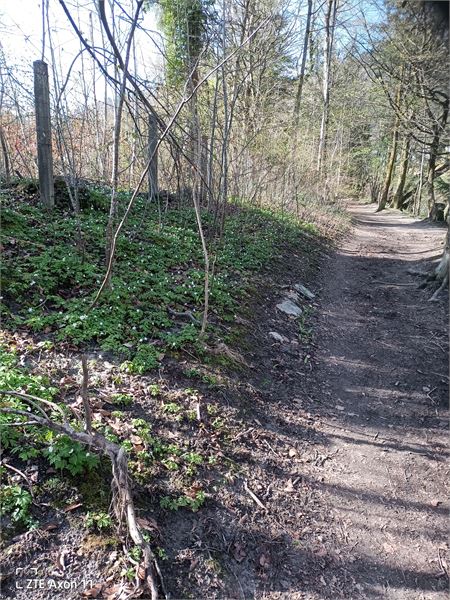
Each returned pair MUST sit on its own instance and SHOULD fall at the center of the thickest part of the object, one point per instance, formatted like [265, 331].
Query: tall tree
[330, 23]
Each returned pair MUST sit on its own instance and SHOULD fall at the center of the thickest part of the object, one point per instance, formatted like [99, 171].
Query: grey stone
[277, 336]
[304, 291]
[289, 308]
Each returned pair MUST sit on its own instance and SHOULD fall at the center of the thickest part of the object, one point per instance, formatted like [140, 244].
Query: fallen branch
[11, 468]
[84, 395]
[433, 373]
[393, 283]
[253, 496]
[123, 504]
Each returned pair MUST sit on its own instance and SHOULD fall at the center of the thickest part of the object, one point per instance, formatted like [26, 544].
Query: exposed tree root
[443, 285]
[148, 575]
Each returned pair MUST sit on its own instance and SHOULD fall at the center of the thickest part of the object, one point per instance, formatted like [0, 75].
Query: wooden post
[44, 133]
[153, 155]
[5, 157]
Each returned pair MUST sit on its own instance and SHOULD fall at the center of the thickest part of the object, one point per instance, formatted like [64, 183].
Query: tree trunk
[398, 196]
[418, 198]
[441, 271]
[434, 149]
[330, 20]
[301, 79]
[153, 157]
[383, 200]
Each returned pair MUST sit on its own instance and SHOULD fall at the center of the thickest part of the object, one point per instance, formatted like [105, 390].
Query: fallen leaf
[289, 486]
[113, 592]
[120, 592]
[49, 526]
[67, 381]
[193, 491]
[93, 592]
[147, 523]
[104, 412]
[141, 571]
[239, 553]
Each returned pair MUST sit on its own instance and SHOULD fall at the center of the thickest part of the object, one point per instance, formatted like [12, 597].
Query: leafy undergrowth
[153, 387]
[176, 437]
[52, 268]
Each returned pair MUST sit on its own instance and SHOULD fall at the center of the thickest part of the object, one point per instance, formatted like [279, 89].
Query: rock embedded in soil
[277, 337]
[289, 308]
[304, 291]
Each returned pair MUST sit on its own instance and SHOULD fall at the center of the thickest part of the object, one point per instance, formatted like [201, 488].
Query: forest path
[382, 381]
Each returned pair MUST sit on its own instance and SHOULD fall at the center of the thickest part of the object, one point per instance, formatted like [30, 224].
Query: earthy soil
[366, 406]
[383, 378]
[332, 473]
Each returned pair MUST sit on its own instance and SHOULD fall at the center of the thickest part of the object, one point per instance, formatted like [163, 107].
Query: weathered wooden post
[44, 133]
[5, 157]
[153, 156]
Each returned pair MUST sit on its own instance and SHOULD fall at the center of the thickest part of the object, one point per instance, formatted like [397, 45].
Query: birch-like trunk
[330, 21]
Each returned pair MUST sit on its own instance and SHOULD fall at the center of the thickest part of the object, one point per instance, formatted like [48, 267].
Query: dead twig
[242, 433]
[433, 373]
[34, 401]
[442, 564]
[184, 314]
[394, 284]
[254, 497]
[84, 395]
[27, 479]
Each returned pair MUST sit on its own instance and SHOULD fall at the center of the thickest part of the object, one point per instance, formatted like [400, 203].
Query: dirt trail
[380, 391]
